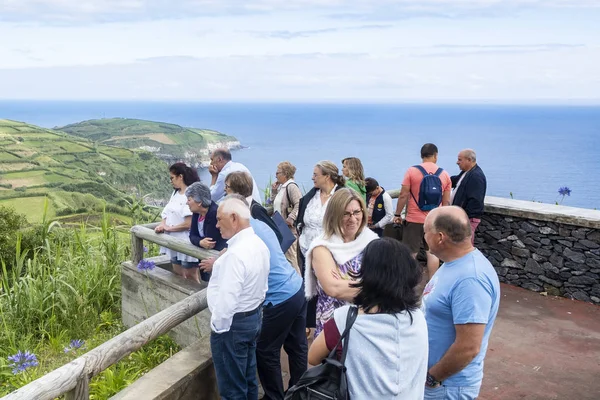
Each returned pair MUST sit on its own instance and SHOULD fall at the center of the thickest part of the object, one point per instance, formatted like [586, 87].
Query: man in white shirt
[221, 166]
[235, 293]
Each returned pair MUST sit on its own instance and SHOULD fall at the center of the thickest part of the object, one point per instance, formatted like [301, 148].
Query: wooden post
[137, 249]
[81, 391]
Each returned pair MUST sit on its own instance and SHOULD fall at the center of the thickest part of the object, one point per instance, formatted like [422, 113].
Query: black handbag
[328, 380]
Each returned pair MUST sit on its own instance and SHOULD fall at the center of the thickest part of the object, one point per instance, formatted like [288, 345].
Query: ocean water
[529, 151]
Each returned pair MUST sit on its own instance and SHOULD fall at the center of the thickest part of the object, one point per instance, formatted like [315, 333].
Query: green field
[32, 207]
[5, 156]
[83, 177]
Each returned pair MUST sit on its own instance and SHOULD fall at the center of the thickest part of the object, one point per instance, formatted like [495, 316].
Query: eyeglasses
[278, 172]
[227, 186]
[355, 213]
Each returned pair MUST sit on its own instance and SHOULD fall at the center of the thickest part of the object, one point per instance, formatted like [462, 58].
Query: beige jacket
[294, 193]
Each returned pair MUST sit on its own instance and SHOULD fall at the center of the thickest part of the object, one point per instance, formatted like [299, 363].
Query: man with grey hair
[460, 303]
[235, 294]
[221, 165]
[468, 188]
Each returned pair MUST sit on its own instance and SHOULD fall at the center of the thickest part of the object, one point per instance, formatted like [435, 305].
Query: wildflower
[146, 265]
[145, 249]
[21, 361]
[74, 345]
[564, 191]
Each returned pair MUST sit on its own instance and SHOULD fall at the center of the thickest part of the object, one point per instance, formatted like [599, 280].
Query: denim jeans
[234, 357]
[283, 325]
[452, 393]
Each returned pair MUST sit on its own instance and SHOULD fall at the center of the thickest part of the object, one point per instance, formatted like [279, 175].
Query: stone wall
[543, 247]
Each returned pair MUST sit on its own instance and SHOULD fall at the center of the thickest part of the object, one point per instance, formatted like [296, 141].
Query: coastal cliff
[169, 142]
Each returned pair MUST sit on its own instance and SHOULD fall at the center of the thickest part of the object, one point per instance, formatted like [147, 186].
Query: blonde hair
[287, 169]
[356, 171]
[334, 214]
[331, 170]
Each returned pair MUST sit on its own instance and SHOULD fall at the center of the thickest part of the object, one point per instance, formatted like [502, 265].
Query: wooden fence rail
[73, 379]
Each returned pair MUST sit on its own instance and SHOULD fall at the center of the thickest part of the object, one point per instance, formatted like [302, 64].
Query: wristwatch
[432, 382]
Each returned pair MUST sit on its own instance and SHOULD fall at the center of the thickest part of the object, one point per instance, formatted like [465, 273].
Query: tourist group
[320, 277]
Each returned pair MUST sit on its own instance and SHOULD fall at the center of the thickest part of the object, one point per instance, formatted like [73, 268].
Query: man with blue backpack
[424, 188]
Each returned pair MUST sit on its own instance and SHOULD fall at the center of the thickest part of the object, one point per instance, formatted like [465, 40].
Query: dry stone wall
[542, 247]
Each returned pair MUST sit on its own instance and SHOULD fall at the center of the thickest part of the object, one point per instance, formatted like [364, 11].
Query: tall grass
[69, 288]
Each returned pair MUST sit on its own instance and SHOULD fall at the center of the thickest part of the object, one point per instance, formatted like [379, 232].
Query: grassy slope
[76, 174]
[133, 133]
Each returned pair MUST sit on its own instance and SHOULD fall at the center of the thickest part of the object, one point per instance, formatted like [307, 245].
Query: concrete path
[542, 348]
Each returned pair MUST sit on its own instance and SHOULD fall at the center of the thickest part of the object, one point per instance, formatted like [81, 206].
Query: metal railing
[73, 379]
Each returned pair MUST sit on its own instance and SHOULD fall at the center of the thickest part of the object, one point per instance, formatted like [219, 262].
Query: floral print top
[327, 304]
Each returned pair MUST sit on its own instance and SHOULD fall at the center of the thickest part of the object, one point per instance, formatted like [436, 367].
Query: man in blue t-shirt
[460, 303]
[284, 320]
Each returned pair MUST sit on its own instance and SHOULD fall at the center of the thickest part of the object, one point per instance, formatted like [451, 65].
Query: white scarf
[341, 252]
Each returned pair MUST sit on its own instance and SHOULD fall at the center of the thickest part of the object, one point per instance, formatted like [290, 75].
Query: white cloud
[82, 11]
[268, 49]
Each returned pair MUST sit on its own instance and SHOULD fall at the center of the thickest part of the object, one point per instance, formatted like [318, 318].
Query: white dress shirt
[217, 191]
[453, 192]
[239, 280]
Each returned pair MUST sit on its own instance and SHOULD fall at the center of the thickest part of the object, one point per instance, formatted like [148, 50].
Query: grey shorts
[413, 236]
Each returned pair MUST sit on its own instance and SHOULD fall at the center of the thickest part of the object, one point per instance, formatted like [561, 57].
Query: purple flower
[564, 191]
[145, 249]
[146, 265]
[74, 345]
[21, 361]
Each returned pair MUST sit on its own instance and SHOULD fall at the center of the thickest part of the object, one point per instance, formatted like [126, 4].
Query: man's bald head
[467, 159]
[452, 221]
[469, 154]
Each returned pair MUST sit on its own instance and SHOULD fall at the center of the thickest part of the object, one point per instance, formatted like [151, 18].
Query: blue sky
[303, 50]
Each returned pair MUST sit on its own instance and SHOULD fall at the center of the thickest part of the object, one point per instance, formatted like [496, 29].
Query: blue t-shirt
[284, 281]
[462, 291]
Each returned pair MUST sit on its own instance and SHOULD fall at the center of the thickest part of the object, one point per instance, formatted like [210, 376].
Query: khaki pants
[292, 253]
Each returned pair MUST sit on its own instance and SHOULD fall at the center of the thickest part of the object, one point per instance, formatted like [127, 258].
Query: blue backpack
[430, 191]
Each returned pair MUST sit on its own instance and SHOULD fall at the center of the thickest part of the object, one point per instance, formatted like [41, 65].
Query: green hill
[77, 175]
[169, 142]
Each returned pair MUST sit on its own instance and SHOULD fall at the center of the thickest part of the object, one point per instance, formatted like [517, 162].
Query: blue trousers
[283, 325]
[234, 357]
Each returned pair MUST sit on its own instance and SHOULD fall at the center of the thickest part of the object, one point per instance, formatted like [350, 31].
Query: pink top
[412, 179]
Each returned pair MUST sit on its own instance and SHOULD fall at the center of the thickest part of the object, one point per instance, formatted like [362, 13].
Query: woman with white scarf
[337, 254]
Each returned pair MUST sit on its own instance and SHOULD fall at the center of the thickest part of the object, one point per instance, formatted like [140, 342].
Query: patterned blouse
[327, 304]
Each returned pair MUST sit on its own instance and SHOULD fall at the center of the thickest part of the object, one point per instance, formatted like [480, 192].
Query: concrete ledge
[543, 212]
[143, 294]
[188, 374]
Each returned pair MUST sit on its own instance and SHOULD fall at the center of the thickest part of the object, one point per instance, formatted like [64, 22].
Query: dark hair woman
[390, 327]
[177, 216]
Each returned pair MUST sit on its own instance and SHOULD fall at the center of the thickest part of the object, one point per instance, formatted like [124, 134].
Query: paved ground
[542, 348]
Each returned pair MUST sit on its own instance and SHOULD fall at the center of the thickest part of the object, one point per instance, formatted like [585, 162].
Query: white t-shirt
[174, 213]
[387, 355]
